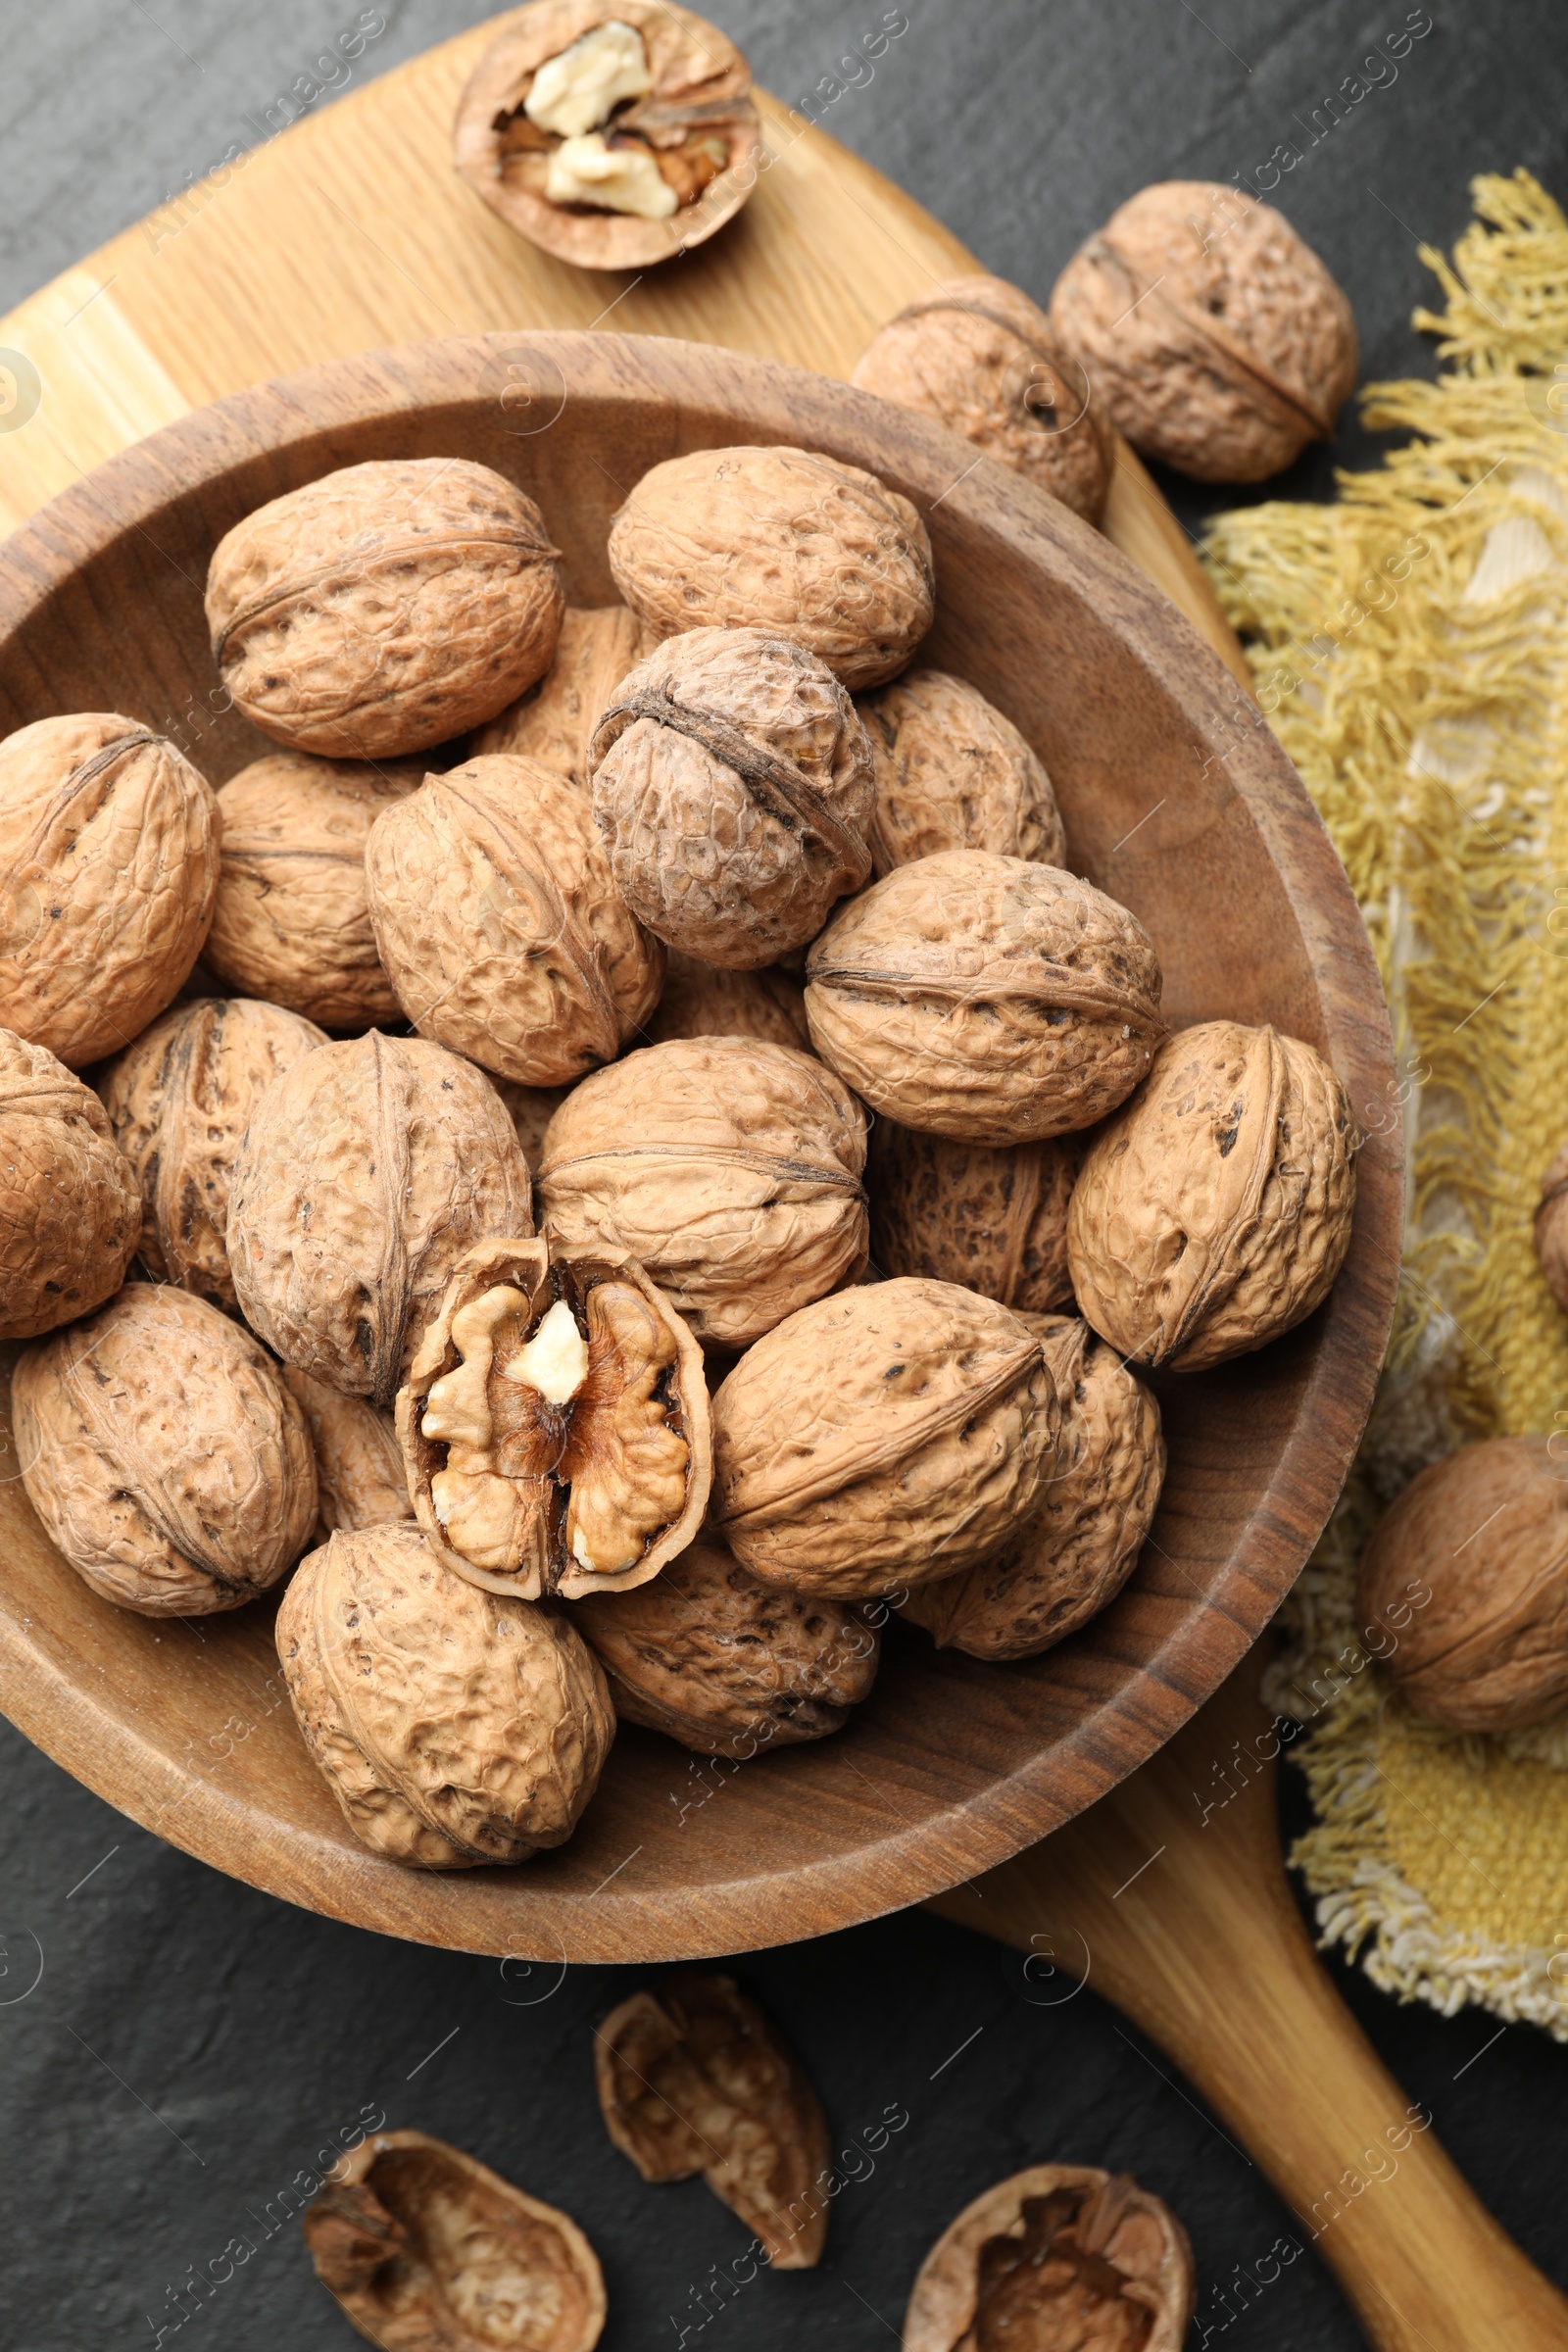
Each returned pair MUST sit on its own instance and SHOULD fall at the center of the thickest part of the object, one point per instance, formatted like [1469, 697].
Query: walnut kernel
[70, 1207]
[952, 773]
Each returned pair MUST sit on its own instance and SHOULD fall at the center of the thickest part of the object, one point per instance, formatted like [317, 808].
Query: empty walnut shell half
[730, 1169]
[553, 723]
[291, 923]
[694, 2078]
[555, 1424]
[499, 922]
[732, 784]
[991, 1216]
[986, 999]
[180, 1100]
[109, 850]
[614, 133]
[1214, 1210]
[1551, 1228]
[1061, 2255]
[422, 2246]
[384, 608]
[725, 1665]
[982, 359]
[952, 773]
[164, 1454]
[1211, 331]
[1072, 1558]
[453, 1725]
[889, 1436]
[783, 540]
[365, 1172]
[70, 1206]
[700, 1000]
[359, 1479]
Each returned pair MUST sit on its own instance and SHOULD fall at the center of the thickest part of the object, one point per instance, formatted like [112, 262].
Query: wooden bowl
[1177, 799]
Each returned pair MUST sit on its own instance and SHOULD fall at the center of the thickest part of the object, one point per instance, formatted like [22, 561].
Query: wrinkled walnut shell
[499, 925]
[521, 1493]
[454, 1726]
[163, 1456]
[532, 1107]
[1551, 1228]
[701, 1001]
[70, 1207]
[1036, 2260]
[554, 722]
[952, 773]
[729, 1169]
[180, 1099]
[725, 1665]
[993, 1218]
[384, 608]
[694, 2078]
[889, 1436]
[1214, 1211]
[982, 359]
[108, 868]
[359, 1479]
[783, 540]
[1212, 333]
[419, 2245]
[986, 999]
[732, 785]
[365, 1172]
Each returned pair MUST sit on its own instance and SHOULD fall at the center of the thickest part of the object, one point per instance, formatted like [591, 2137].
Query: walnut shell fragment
[732, 784]
[499, 925]
[889, 1436]
[70, 1206]
[700, 1000]
[1072, 1558]
[986, 999]
[1214, 336]
[163, 1456]
[108, 868]
[359, 1479]
[982, 359]
[180, 1099]
[952, 773]
[1060, 2258]
[555, 1424]
[729, 1169]
[454, 1726]
[725, 1665]
[422, 2246]
[991, 1216]
[554, 722]
[365, 1172]
[291, 923]
[783, 540]
[1214, 1211]
[385, 607]
[1551, 1228]
[694, 2078]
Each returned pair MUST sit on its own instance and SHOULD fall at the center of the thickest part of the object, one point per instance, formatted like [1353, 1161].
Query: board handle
[1183, 1917]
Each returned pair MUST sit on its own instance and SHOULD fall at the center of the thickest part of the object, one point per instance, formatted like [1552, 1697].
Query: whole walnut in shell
[164, 1454]
[499, 924]
[555, 1424]
[782, 540]
[732, 784]
[554, 722]
[730, 1169]
[70, 1207]
[1551, 1228]
[1075, 1554]
[384, 608]
[1063, 2255]
[181, 1098]
[359, 1479]
[292, 924]
[419, 2245]
[1214, 336]
[725, 1665]
[532, 1109]
[1214, 1210]
[952, 773]
[700, 1000]
[986, 999]
[454, 1725]
[365, 1172]
[982, 359]
[991, 1216]
[1466, 1582]
[889, 1436]
[109, 847]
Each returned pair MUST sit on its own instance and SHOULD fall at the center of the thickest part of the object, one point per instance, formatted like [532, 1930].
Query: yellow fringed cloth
[1411, 648]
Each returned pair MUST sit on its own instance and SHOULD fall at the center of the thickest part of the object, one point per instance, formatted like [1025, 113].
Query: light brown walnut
[699, 1000]
[359, 1479]
[991, 1216]
[70, 1206]
[952, 773]
[1551, 1228]
[532, 1109]
[553, 723]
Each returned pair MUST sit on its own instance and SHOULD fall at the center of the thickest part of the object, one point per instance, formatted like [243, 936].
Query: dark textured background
[190, 2044]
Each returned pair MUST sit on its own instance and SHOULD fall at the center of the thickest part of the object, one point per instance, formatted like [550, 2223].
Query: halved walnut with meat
[555, 1424]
